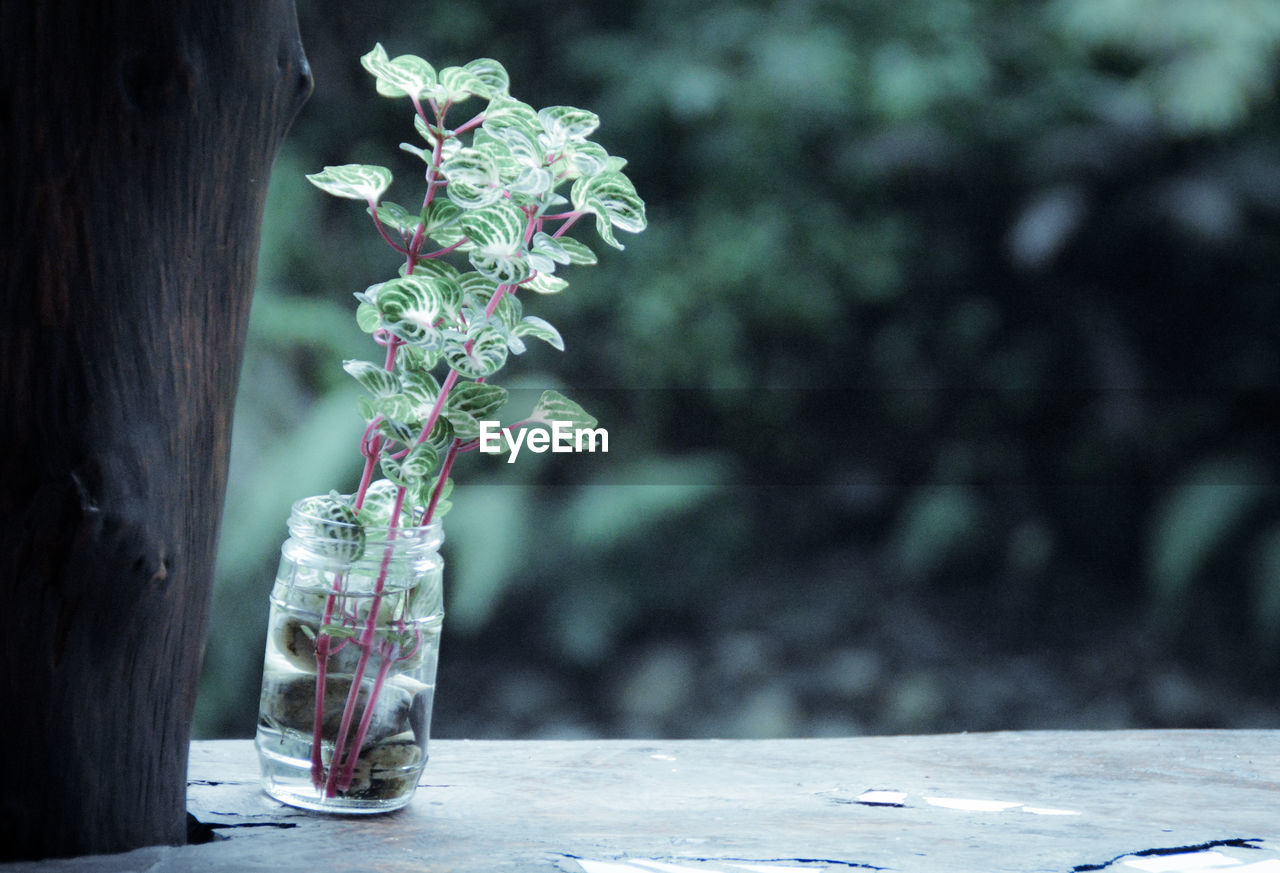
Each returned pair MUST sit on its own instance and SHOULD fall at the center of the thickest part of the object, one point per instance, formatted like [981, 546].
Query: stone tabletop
[1123, 801]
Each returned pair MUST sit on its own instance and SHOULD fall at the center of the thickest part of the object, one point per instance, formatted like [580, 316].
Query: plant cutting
[356, 608]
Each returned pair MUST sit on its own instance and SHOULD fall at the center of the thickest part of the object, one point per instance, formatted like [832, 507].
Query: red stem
[445, 468]
[341, 782]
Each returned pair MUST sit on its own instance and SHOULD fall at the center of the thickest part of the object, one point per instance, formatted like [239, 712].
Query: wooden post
[136, 142]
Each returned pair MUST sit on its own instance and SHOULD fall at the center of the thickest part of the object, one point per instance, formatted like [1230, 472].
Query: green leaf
[421, 462]
[367, 317]
[564, 124]
[510, 112]
[396, 430]
[400, 77]
[553, 406]
[353, 181]
[396, 216]
[441, 434]
[440, 220]
[604, 227]
[523, 166]
[421, 388]
[497, 232]
[391, 470]
[457, 84]
[477, 289]
[533, 326]
[465, 425]
[486, 355]
[550, 247]
[415, 359]
[474, 178]
[445, 283]
[585, 159]
[546, 284]
[579, 253]
[398, 408]
[410, 308]
[334, 523]
[509, 312]
[492, 75]
[376, 380]
[613, 199]
[479, 399]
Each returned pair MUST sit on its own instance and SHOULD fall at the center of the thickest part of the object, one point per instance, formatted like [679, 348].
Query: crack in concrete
[1234, 843]
[826, 862]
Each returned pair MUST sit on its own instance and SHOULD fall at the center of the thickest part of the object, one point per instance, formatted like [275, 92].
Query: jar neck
[342, 540]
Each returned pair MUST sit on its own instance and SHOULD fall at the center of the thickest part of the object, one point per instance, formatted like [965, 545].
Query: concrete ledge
[1065, 802]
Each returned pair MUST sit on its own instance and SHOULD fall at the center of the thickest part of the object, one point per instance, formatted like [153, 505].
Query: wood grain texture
[976, 803]
[137, 143]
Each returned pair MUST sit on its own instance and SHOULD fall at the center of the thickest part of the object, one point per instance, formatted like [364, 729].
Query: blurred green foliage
[985, 291]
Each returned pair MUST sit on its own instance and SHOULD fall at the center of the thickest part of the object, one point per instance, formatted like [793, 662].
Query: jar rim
[298, 511]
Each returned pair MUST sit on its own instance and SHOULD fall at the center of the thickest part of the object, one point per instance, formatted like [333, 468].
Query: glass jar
[349, 674]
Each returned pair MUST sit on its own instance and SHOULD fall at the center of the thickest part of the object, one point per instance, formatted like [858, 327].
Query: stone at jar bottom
[290, 700]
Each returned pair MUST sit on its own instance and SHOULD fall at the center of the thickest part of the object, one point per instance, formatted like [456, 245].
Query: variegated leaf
[397, 408]
[353, 181]
[479, 399]
[611, 195]
[564, 124]
[441, 434]
[376, 380]
[421, 388]
[437, 269]
[401, 76]
[510, 112]
[505, 269]
[545, 283]
[396, 430]
[492, 75]
[585, 159]
[474, 176]
[499, 227]
[553, 406]
[477, 290]
[578, 252]
[441, 222]
[367, 317]
[465, 425]
[456, 84]
[477, 354]
[532, 325]
[497, 232]
[545, 244]
[421, 462]
[411, 308]
[397, 217]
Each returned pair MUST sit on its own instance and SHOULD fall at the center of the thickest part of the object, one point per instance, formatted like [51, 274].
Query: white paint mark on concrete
[1183, 862]
[1044, 810]
[971, 805]
[884, 798]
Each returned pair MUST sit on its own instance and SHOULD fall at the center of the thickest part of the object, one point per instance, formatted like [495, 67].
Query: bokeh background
[942, 388]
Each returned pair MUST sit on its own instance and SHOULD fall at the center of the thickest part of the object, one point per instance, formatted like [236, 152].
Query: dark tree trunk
[136, 139]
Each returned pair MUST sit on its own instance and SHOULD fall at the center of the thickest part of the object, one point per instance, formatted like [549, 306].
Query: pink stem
[445, 468]
[341, 754]
[323, 641]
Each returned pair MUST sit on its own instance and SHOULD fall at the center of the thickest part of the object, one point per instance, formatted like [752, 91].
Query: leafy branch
[493, 223]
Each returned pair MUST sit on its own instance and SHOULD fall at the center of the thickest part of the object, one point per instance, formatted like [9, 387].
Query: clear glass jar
[349, 674]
